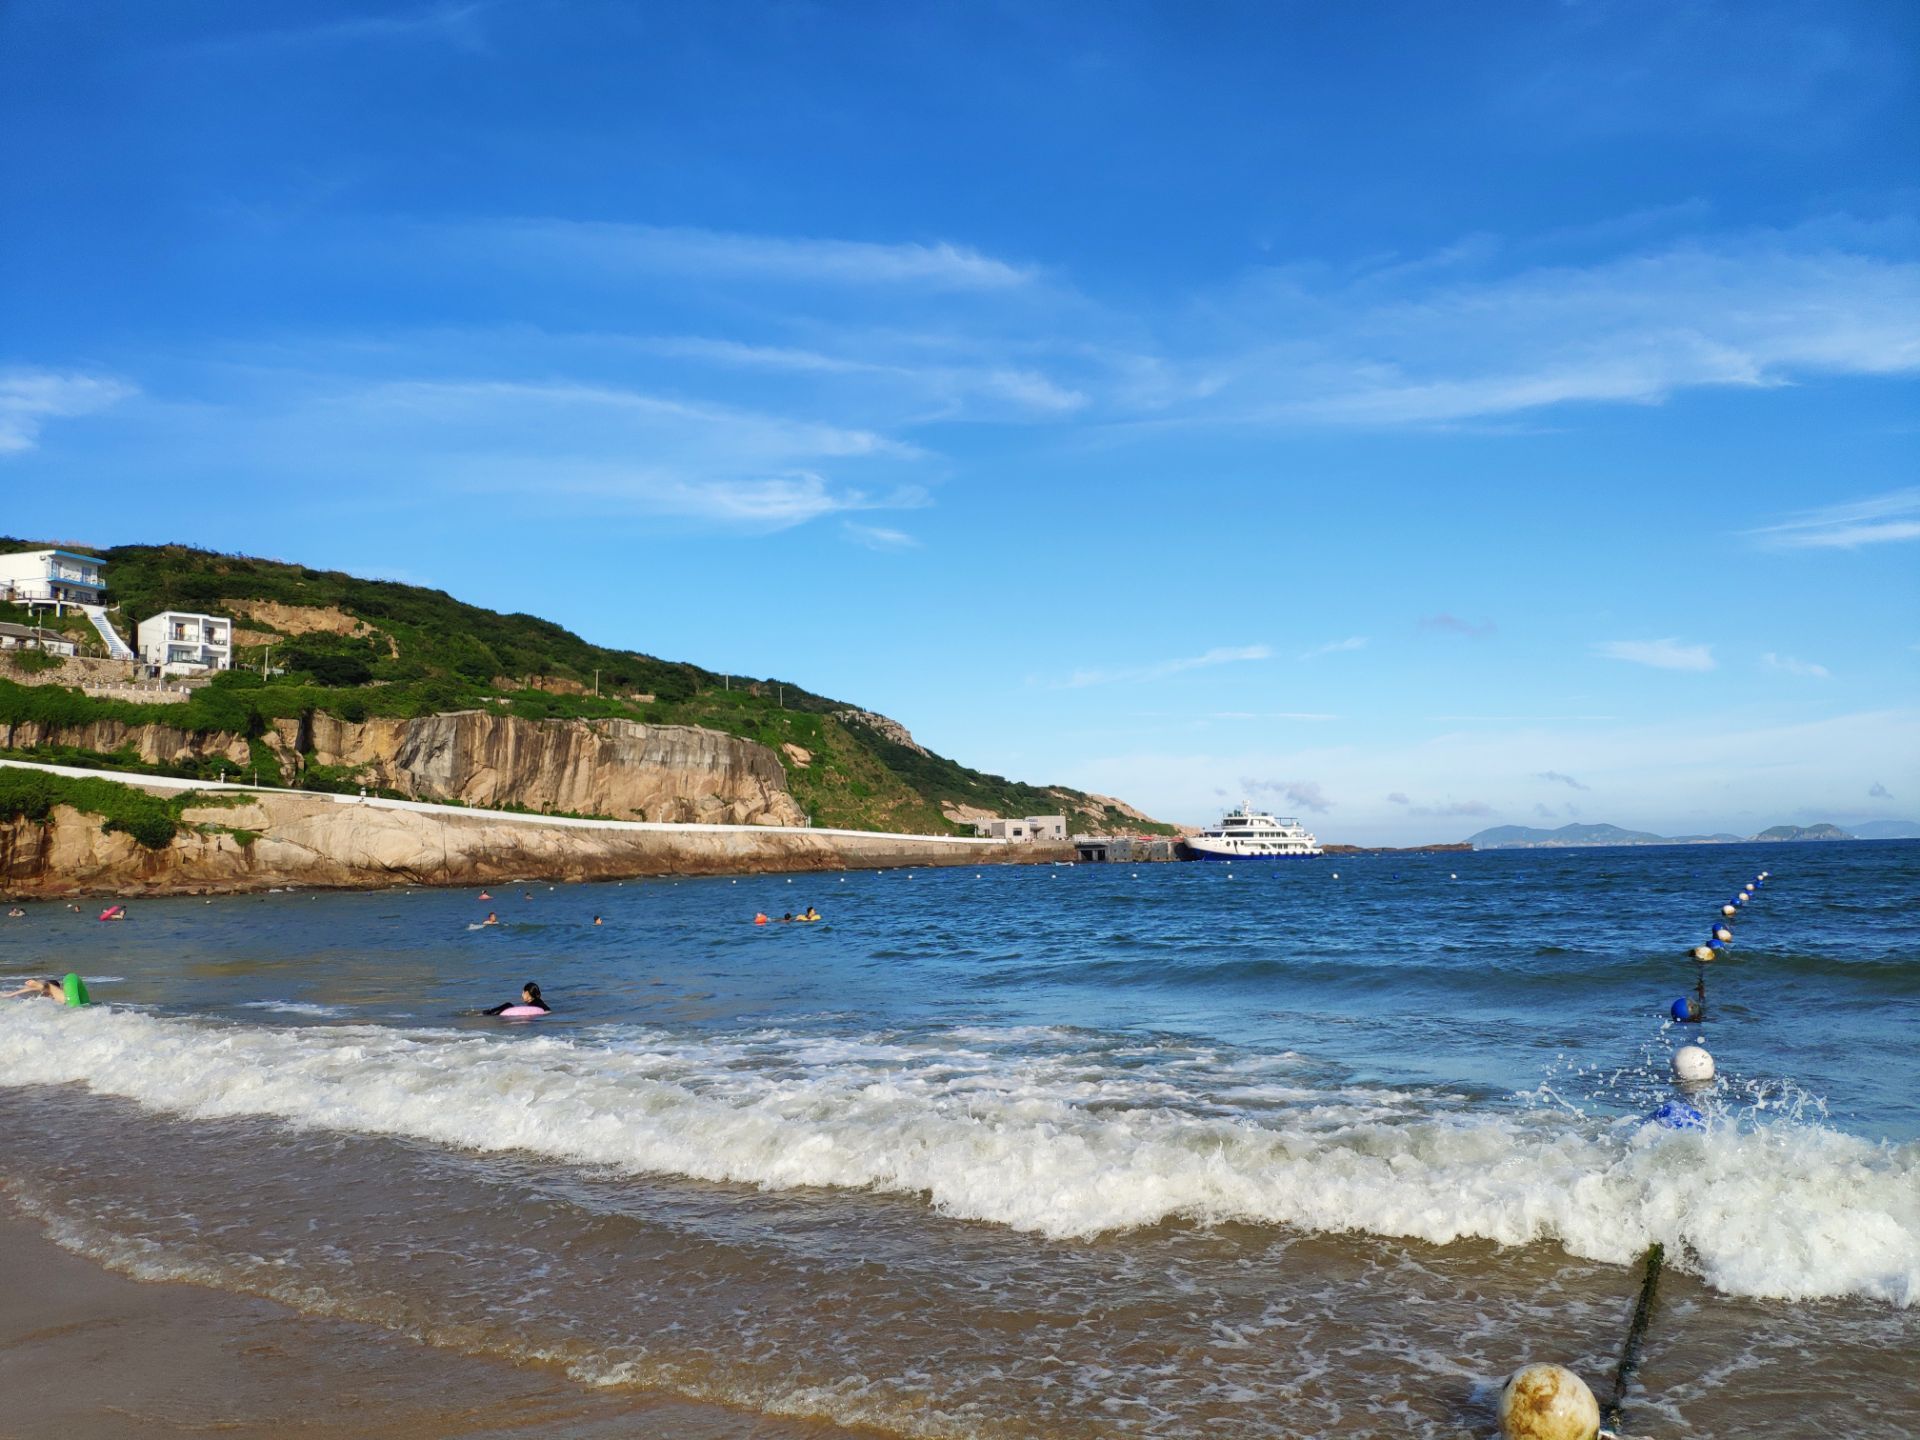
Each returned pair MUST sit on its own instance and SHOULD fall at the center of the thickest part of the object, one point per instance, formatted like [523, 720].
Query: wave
[1063, 1133]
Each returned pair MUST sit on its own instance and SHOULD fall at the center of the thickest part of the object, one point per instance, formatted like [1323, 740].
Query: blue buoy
[1678, 1115]
[1686, 1009]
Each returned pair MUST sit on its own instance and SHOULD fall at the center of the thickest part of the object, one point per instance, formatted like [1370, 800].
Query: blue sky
[1415, 418]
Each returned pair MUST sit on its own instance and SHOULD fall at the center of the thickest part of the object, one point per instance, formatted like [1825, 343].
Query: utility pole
[596, 680]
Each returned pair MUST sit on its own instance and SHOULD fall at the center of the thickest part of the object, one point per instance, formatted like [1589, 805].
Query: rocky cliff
[153, 744]
[290, 838]
[616, 768]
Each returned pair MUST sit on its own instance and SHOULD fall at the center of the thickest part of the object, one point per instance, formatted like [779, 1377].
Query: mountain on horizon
[1527, 837]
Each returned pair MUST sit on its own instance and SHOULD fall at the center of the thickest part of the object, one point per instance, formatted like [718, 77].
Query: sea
[1290, 1148]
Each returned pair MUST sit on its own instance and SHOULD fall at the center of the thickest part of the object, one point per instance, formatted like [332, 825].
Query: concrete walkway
[425, 807]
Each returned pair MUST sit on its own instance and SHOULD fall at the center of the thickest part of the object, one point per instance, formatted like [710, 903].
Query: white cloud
[1878, 520]
[1879, 792]
[1455, 808]
[30, 398]
[878, 537]
[1795, 667]
[1219, 655]
[1560, 779]
[1669, 654]
[1414, 345]
[1306, 794]
[615, 248]
[1335, 647]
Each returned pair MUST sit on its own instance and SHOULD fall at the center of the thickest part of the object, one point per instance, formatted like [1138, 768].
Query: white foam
[291, 1007]
[1063, 1142]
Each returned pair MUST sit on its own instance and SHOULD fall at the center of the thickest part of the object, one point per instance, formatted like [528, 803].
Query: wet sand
[89, 1355]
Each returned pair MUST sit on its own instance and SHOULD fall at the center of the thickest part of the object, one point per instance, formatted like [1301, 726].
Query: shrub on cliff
[152, 820]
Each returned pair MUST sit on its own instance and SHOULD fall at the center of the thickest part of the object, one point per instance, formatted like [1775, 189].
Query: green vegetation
[37, 662]
[153, 820]
[363, 649]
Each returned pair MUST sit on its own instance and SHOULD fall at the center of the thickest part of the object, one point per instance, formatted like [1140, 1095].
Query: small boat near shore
[1244, 833]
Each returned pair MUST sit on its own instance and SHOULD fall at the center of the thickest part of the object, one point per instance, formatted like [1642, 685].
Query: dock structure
[1125, 849]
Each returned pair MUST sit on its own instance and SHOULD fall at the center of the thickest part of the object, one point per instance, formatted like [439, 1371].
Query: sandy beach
[86, 1354]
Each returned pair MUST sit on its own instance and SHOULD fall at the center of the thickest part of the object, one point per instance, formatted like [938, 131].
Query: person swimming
[48, 989]
[492, 919]
[596, 919]
[810, 914]
[529, 995]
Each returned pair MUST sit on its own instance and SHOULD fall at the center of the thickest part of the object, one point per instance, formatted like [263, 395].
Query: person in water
[50, 989]
[811, 914]
[529, 995]
[492, 919]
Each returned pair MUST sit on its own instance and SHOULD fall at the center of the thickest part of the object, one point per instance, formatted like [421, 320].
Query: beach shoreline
[89, 1354]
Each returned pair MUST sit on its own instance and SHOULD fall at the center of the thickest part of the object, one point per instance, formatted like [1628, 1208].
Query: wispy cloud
[1398, 797]
[1453, 625]
[1305, 715]
[1879, 792]
[1795, 667]
[614, 247]
[1560, 779]
[456, 24]
[30, 398]
[1304, 794]
[878, 537]
[1668, 654]
[1878, 520]
[1335, 647]
[1220, 655]
[1455, 808]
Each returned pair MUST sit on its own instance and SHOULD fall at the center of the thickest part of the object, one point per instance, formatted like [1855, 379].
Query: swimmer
[596, 920]
[492, 919]
[50, 989]
[484, 896]
[787, 919]
[529, 995]
[811, 914]
[15, 913]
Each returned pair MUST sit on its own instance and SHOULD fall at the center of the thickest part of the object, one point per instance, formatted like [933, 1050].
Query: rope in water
[1636, 1334]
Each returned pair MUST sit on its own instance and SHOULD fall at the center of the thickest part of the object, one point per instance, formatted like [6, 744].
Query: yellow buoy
[1548, 1402]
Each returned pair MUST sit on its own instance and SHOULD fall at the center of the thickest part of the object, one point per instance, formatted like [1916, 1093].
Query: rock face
[154, 744]
[881, 725]
[292, 838]
[616, 768]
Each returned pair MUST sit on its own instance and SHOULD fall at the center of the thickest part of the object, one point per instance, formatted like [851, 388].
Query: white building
[1027, 827]
[181, 643]
[52, 577]
[32, 637]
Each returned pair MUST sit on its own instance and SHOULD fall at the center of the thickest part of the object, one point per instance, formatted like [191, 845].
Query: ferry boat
[1248, 834]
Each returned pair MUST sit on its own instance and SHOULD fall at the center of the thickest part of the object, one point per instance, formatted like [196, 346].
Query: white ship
[1247, 834]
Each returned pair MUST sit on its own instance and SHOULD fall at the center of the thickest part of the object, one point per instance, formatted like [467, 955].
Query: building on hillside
[32, 637]
[1026, 827]
[52, 577]
[178, 642]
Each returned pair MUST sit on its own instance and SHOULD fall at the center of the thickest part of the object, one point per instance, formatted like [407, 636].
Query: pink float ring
[523, 1012]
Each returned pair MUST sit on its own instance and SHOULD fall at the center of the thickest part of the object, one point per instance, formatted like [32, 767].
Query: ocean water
[1301, 1148]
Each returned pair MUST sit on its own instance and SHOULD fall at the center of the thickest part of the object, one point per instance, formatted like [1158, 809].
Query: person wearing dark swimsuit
[529, 995]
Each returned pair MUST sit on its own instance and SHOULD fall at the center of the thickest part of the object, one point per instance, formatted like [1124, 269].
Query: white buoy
[1729, 910]
[1741, 898]
[1692, 1064]
[1703, 953]
[1722, 934]
[1336, 874]
[1749, 887]
[1548, 1402]
[1452, 876]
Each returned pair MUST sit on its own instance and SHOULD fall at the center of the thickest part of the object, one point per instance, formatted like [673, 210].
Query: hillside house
[52, 577]
[179, 642]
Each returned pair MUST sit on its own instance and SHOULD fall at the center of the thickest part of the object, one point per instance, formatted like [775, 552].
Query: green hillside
[357, 648]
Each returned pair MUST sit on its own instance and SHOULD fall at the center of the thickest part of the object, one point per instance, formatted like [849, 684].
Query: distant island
[1527, 837]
